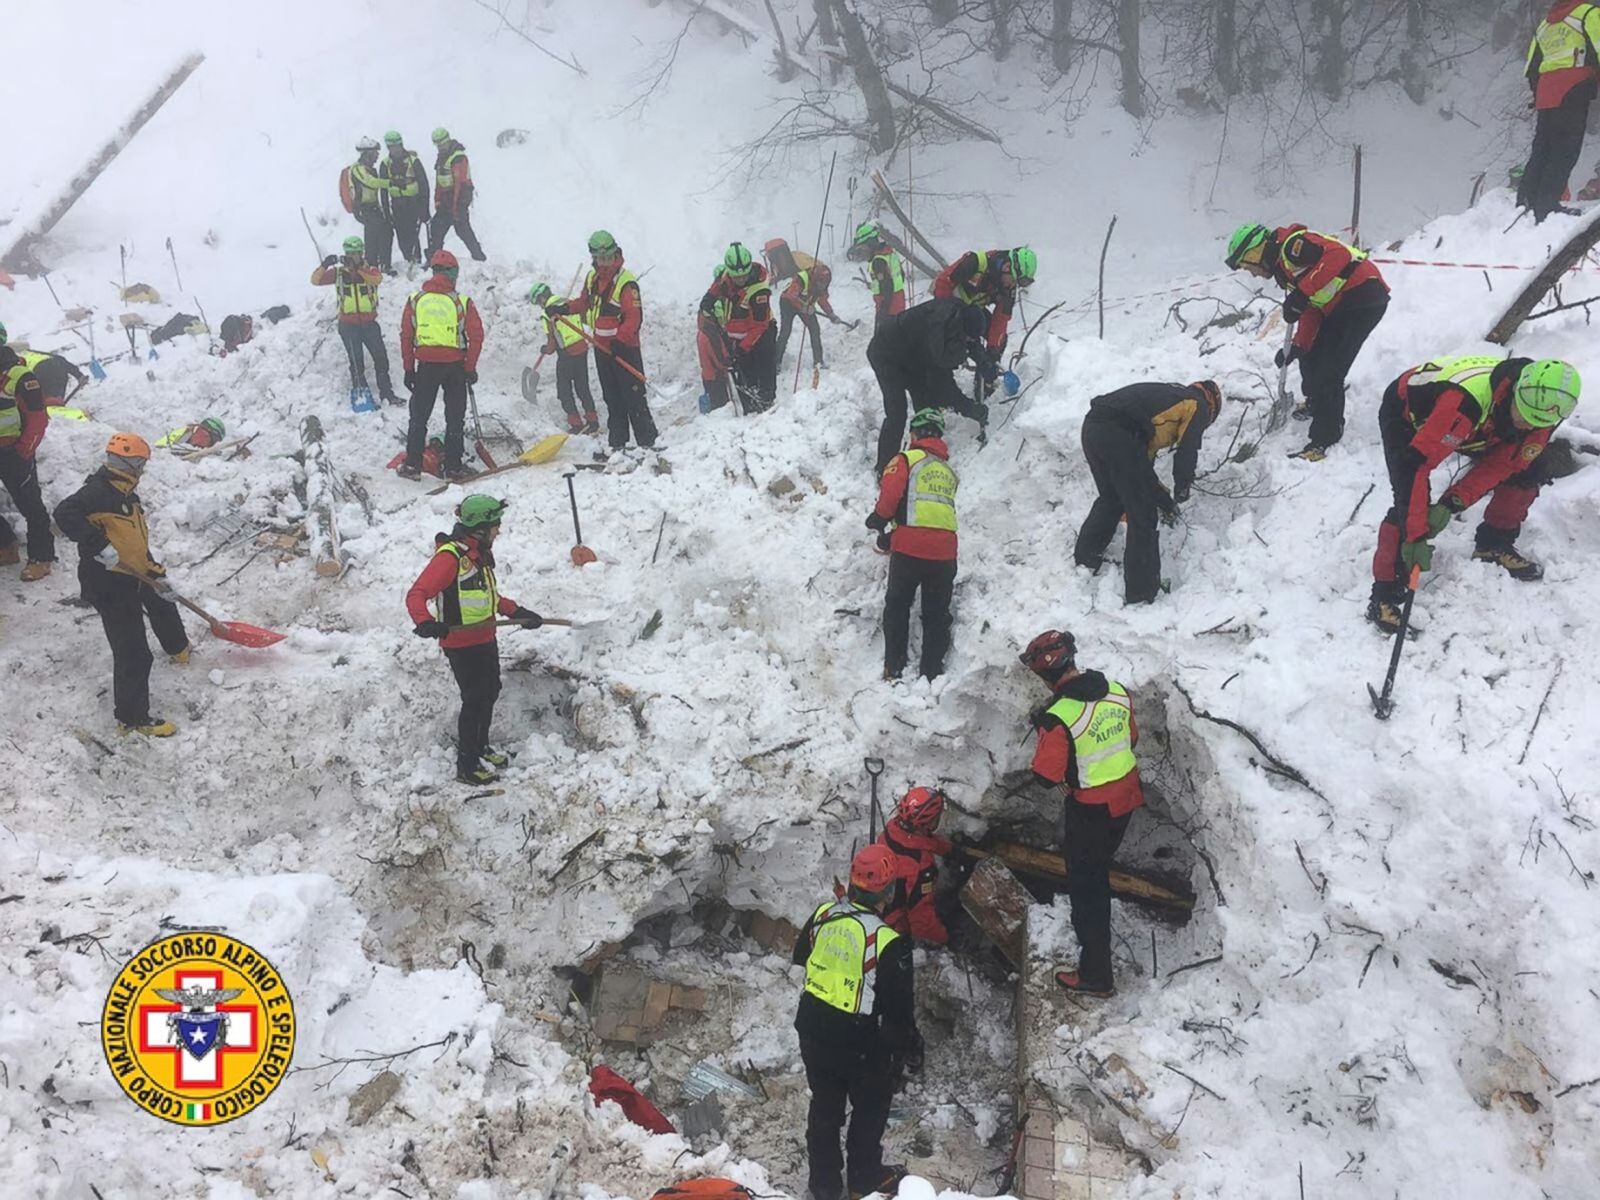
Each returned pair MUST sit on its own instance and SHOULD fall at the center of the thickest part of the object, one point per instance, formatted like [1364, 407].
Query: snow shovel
[96, 368]
[482, 451]
[530, 379]
[1281, 402]
[874, 768]
[581, 554]
[237, 632]
[1383, 705]
[541, 451]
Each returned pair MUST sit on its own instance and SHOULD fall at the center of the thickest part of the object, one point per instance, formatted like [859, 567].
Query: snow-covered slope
[1405, 945]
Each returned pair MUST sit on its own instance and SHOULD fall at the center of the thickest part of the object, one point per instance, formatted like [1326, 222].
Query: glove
[1180, 495]
[410, 380]
[1011, 384]
[1418, 554]
[1285, 355]
[882, 542]
[472, 378]
[107, 557]
[1169, 516]
[431, 629]
[529, 618]
[1294, 306]
[877, 524]
[331, 261]
[1438, 517]
[988, 369]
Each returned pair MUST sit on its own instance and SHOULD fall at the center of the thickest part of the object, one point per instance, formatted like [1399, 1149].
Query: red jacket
[31, 406]
[411, 353]
[748, 319]
[936, 544]
[1055, 759]
[458, 195]
[918, 854]
[1306, 262]
[889, 299]
[815, 294]
[439, 574]
[620, 326]
[371, 276]
[963, 280]
[1554, 88]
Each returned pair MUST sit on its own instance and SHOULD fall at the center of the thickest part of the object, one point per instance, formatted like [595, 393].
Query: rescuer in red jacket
[989, 279]
[910, 834]
[441, 337]
[1563, 74]
[1335, 297]
[738, 336]
[459, 583]
[1499, 413]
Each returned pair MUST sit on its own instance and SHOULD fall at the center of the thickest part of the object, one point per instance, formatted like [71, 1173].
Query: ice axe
[581, 554]
[1383, 705]
[237, 632]
[874, 767]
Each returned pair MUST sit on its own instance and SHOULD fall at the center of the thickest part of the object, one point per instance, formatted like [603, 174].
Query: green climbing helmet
[737, 259]
[601, 242]
[1249, 236]
[867, 232]
[393, 138]
[354, 245]
[477, 511]
[928, 418]
[539, 294]
[1547, 392]
[1024, 265]
[440, 134]
[2, 333]
[215, 428]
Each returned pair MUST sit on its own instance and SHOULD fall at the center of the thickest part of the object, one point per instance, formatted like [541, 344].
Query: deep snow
[306, 804]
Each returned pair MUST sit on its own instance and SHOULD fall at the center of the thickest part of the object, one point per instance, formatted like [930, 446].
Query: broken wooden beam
[1049, 866]
[1562, 261]
[999, 905]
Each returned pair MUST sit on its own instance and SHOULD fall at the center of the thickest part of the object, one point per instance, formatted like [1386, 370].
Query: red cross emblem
[204, 1073]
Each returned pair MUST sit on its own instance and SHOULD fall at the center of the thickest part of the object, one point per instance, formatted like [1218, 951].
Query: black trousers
[1557, 142]
[451, 378]
[1092, 836]
[368, 337]
[409, 216]
[440, 225]
[903, 390]
[755, 372]
[1128, 485]
[1326, 365]
[477, 672]
[936, 580]
[866, 1083]
[572, 383]
[21, 477]
[122, 614]
[789, 311]
[627, 405]
[377, 238]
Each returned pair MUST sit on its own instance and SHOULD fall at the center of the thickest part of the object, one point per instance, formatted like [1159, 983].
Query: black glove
[883, 542]
[528, 617]
[1169, 516]
[410, 380]
[1285, 355]
[988, 368]
[1294, 305]
[877, 523]
[331, 261]
[431, 629]
[472, 378]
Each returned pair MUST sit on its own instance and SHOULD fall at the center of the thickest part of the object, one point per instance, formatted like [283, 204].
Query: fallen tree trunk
[1049, 866]
[1562, 261]
[321, 484]
[19, 255]
[888, 195]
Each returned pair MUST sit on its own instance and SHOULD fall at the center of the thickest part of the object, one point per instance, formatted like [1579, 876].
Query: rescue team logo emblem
[198, 1028]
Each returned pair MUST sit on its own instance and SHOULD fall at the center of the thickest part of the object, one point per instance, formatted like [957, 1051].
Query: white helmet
[366, 144]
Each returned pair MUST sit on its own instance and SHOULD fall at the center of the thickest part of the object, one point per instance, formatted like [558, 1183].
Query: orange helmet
[920, 809]
[1213, 397]
[873, 870]
[1050, 653]
[443, 260]
[128, 445]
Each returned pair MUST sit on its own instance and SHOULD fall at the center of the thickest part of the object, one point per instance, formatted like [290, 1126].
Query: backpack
[705, 1189]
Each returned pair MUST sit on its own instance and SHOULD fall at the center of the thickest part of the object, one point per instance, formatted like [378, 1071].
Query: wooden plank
[1049, 866]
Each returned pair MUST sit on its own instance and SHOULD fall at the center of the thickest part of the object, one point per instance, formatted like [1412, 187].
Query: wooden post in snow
[19, 255]
[322, 530]
[1355, 204]
[1562, 261]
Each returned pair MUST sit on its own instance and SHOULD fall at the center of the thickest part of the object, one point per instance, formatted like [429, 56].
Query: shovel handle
[505, 622]
[152, 581]
[572, 495]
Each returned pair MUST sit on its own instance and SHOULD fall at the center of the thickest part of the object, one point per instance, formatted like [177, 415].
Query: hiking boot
[458, 473]
[1517, 564]
[407, 471]
[477, 775]
[495, 758]
[1071, 981]
[9, 557]
[591, 423]
[1301, 411]
[888, 1185]
[35, 571]
[153, 727]
[181, 658]
[1311, 452]
[390, 398]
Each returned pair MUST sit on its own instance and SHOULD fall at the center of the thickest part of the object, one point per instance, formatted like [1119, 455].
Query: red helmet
[443, 260]
[874, 869]
[1213, 397]
[920, 809]
[1052, 652]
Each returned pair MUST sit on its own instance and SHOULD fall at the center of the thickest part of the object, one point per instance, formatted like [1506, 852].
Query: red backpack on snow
[705, 1189]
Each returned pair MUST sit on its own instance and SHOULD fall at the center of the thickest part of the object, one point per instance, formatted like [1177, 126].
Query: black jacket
[891, 1027]
[101, 514]
[934, 336]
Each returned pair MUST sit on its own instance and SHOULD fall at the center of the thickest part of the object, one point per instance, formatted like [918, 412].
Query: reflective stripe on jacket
[841, 970]
[474, 597]
[1101, 732]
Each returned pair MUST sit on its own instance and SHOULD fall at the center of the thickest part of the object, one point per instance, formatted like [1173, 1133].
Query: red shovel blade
[241, 634]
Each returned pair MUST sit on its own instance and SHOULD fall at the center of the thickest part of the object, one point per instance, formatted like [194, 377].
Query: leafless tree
[1128, 19]
[869, 76]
